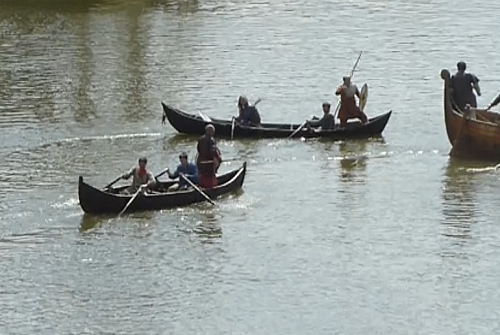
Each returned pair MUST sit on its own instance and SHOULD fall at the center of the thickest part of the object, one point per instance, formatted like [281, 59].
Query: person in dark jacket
[462, 84]
[248, 115]
[189, 170]
[209, 158]
[327, 122]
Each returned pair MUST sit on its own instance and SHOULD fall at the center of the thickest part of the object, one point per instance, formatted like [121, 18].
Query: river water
[367, 237]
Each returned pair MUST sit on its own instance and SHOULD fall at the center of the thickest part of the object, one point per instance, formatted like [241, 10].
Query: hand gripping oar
[352, 73]
[198, 189]
[233, 122]
[139, 191]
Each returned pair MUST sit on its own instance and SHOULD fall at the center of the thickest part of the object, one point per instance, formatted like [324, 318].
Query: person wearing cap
[327, 122]
[462, 84]
[248, 115]
[189, 170]
[143, 179]
[209, 158]
[348, 107]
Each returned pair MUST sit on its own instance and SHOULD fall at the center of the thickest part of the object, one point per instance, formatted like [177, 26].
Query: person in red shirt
[348, 106]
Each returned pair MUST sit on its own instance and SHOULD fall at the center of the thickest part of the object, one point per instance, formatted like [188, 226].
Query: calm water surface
[367, 237]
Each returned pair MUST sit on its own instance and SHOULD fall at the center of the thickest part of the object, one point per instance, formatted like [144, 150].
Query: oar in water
[352, 73]
[198, 189]
[299, 128]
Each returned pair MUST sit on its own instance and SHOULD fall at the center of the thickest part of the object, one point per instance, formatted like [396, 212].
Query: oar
[232, 128]
[198, 189]
[130, 202]
[138, 191]
[112, 183]
[297, 130]
[204, 117]
[352, 73]
[161, 173]
[233, 122]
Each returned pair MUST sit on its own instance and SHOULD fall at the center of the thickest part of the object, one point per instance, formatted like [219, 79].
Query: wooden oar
[112, 183]
[162, 173]
[198, 189]
[233, 122]
[232, 128]
[352, 73]
[130, 202]
[204, 117]
[139, 191]
[297, 130]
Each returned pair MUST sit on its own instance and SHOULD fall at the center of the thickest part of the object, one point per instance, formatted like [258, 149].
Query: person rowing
[327, 122]
[142, 180]
[189, 170]
[248, 115]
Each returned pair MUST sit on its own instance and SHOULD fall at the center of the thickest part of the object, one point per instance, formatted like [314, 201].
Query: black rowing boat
[96, 201]
[190, 124]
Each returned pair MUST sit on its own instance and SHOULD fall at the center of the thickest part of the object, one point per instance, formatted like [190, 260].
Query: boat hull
[473, 134]
[190, 124]
[96, 201]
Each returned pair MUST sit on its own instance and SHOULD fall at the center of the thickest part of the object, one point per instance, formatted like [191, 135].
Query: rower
[327, 122]
[209, 158]
[248, 115]
[462, 84]
[348, 107]
[142, 180]
[189, 170]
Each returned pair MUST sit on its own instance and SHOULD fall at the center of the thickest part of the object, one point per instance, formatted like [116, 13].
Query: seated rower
[142, 180]
[327, 122]
[248, 115]
[189, 170]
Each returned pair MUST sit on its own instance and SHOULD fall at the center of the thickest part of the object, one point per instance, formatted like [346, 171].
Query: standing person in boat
[248, 115]
[189, 170]
[348, 107]
[327, 122]
[462, 84]
[142, 178]
[209, 158]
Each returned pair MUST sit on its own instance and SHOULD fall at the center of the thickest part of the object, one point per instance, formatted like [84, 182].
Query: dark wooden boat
[473, 133]
[96, 201]
[195, 125]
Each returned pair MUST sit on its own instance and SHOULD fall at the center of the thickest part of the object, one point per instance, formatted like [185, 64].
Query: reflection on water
[353, 161]
[459, 203]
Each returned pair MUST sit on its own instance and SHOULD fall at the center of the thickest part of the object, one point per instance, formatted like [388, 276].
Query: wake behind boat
[192, 124]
